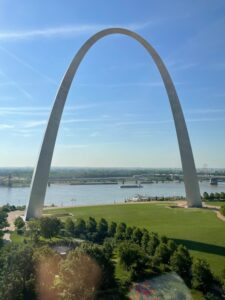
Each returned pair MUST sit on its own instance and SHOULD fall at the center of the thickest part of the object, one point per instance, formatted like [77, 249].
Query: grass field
[198, 229]
[215, 203]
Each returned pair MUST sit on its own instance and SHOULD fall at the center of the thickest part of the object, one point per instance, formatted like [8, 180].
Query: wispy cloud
[6, 126]
[17, 85]
[43, 110]
[82, 120]
[208, 120]
[94, 134]
[142, 122]
[24, 135]
[206, 111]
[180, 65]
[28, 66]
[71, 146]
[127, 84]
[65, 31]
[32, 124]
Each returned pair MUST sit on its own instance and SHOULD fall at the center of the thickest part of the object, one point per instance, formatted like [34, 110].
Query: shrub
[50, 226]
[132, 258]
[181, 262]
[69, 226]
[222, 210]
[202, 275]
[19, 223]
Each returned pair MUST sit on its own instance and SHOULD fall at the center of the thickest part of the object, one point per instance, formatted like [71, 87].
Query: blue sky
[117, 113]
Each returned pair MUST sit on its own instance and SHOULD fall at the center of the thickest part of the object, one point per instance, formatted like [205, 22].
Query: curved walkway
[216, 209]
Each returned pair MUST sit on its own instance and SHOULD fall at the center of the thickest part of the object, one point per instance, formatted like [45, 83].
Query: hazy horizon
[108, 167]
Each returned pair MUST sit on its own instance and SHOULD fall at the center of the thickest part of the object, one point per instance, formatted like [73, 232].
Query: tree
[1, 236]
[222, 196]
[69, 226]
[202, 276]
[3, 223]
[217, 196]
[103, 259]
[6, 208]
[91, 225]
[46, 264]
[79, 277]
[17, 276]
[128, 254]
[163, 253]
[163, 239]
[3, 219]
[80, 227]
[112, 229]
[137, 236]
[121, 231]
[206, 196]
[145, 240]
[181, 262]
[212, 296]
[50, 226]
[108, 247]
[152, 244]
[19, 223]
[102, 228]
[211, 196]
[222, 210]
[34, 230]
[172, 246]
[129, 232]
[132, 258]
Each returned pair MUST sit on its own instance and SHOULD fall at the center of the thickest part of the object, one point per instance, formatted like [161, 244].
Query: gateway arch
[41, 172]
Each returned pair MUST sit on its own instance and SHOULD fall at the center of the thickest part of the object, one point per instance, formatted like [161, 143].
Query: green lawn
[198, 229]
[215, 203]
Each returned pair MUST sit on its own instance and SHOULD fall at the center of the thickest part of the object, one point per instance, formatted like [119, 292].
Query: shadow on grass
[203, 247]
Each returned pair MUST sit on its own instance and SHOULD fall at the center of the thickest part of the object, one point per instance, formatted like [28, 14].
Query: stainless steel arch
[41, 172]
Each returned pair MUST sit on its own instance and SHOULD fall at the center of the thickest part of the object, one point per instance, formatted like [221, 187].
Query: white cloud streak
[127, 84]
[28, 66]
[66, 146]
[6, 126]
[65, 31]
[17, 85]
[207, 111]
[134, 123]
[33, 124]
[43, 110]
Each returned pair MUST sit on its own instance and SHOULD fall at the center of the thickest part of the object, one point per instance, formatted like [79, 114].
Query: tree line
[139, 253]
[214, 196]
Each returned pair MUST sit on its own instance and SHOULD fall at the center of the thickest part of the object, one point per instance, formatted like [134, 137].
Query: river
[68, 195]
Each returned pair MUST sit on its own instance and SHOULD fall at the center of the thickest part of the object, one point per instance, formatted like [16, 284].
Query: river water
[64, 195]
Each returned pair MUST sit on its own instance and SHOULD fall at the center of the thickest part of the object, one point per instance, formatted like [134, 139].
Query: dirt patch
[12, 215]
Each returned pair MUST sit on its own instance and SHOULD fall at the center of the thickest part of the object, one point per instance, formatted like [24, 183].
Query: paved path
[220, 216]
[12, 215]
[216, 209]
